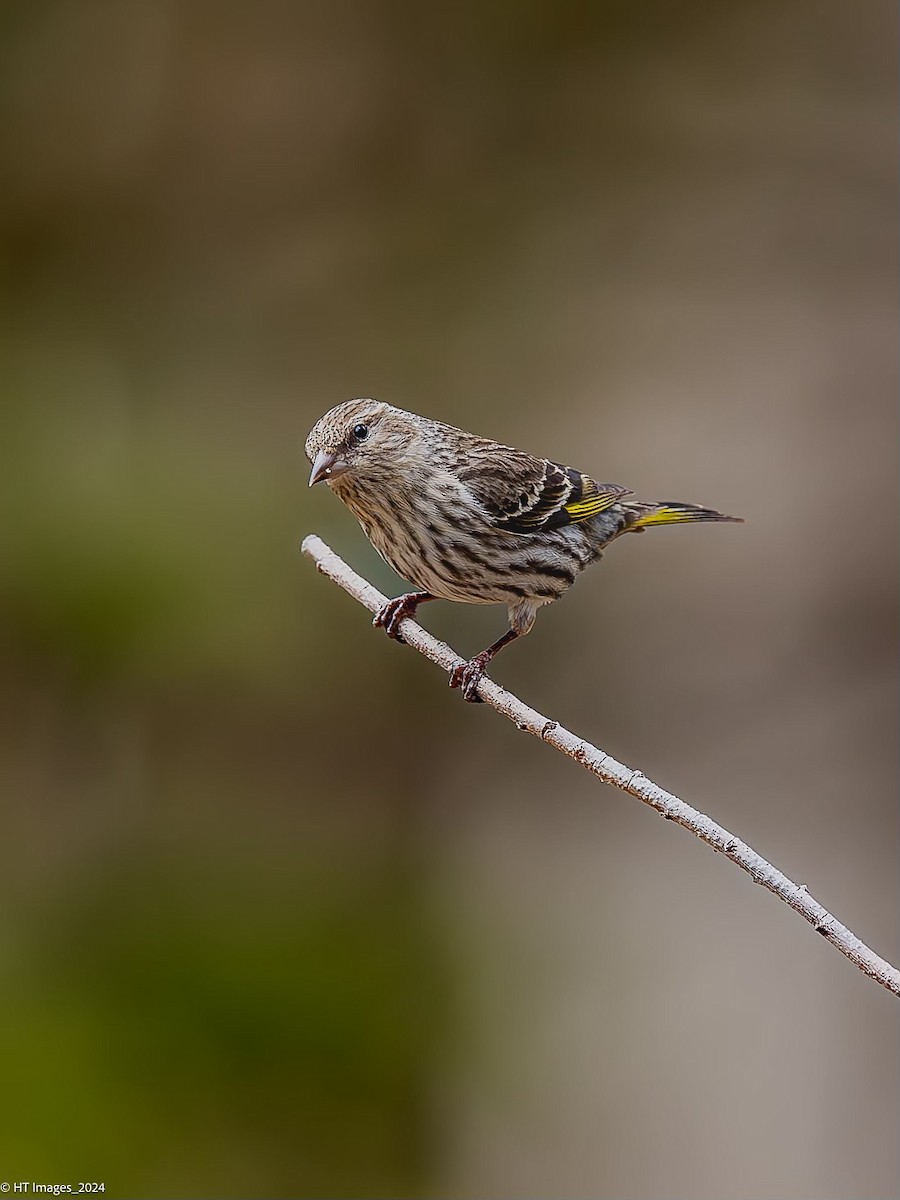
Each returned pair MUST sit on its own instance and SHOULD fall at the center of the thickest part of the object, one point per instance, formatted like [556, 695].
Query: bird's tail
[667, 512]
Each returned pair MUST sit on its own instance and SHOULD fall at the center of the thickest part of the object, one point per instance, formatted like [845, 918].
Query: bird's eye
[360, 432]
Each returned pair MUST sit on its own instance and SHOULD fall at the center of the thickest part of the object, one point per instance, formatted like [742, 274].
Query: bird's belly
[482, 567]
[425, 569]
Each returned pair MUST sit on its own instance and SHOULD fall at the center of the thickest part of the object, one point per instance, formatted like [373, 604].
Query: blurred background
[282, 916]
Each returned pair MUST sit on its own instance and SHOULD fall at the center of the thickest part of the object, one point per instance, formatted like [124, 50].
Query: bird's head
[358, 439]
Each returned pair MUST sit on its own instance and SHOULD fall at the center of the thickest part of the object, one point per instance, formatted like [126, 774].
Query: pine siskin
[464, 518]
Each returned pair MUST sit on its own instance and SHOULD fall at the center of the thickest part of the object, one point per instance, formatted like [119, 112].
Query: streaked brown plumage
[468, 519]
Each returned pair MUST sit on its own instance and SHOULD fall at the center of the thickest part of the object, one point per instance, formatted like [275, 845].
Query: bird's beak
[328, 465]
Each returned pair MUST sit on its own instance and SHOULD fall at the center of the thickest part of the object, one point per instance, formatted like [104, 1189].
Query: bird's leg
[391, 614]
[468, 675]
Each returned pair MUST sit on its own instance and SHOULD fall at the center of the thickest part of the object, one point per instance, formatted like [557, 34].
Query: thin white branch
[610, 771]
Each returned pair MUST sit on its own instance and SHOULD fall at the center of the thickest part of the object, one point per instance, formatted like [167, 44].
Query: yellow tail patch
[674, 514]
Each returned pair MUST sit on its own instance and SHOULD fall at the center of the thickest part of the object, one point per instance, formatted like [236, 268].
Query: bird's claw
[468, 675]
[391, 614]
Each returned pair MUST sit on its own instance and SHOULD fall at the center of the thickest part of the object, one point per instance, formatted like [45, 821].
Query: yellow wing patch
[595, 498]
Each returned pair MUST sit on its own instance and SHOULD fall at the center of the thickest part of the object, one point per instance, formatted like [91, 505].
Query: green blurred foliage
[224, 1029]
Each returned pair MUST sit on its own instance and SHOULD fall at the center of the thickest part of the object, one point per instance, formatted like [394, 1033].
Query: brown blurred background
[281, 915]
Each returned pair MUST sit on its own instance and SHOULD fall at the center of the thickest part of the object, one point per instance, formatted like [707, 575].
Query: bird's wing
[523, 494]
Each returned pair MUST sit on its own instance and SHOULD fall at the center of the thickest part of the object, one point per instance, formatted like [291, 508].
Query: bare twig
[610, 771]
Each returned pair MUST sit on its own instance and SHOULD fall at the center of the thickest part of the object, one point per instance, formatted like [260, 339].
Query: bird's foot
[391, 614]
[468, 675]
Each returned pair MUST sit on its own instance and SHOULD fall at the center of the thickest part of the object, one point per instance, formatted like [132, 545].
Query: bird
[468, 519]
